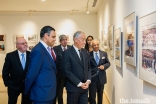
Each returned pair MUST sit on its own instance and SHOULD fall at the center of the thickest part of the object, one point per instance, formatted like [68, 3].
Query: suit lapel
[27, 60]
[76, 55]
[48, 55]
[100, 56]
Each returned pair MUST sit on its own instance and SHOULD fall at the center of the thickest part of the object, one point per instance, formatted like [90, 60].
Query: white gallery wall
[125, 82]
[15, 24]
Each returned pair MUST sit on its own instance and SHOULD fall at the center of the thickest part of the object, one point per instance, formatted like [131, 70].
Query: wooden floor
[4, 96]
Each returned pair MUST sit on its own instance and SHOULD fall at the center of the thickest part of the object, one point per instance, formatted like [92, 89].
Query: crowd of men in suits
[42, 74]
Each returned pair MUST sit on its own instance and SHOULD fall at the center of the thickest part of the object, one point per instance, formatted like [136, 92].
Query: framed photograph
[110, 39]
[147, 44]
[2, 38]
[32, 38]
[68, 41]
[105, 42]
[130, 39]
[19, 36]
[117, 47]
[31, 46]
[2, 47]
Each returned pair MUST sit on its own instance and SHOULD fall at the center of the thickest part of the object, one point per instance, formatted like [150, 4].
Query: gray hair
[61, 37]
[77, 34]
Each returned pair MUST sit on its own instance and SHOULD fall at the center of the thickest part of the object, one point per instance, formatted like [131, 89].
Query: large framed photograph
[32, 38]
[147, 36]
[2, 47]
[2, 38]
[110, 39]
[118, 47]
[130, 39]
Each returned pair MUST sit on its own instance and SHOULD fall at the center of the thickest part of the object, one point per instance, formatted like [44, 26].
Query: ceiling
[49, 5]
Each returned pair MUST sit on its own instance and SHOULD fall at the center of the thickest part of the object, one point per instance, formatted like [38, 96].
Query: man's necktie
[96, 58]
[23, 61]
[64, 48]
[81, 56]
[53, 54]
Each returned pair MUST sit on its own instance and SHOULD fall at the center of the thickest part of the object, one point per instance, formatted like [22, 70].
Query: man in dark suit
[14, 72]
[40, 81]
[60, 74]
[99, 63]
[77, 72]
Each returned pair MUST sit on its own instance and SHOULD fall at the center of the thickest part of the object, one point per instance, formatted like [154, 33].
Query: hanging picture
[110, 39]
[117, 46]
[130, 39]
[19, 36]
[148, 48]
[105, 42]
[2, 47]
[31, 46]
[32, 38]
[2, 38]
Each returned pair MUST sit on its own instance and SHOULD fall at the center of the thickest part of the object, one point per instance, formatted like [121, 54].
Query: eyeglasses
[23, 43]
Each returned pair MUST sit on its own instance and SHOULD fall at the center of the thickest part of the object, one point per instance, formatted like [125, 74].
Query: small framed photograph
[2, 47]
[2, 38]
[31, 46]
[19, 36]
[32, 38]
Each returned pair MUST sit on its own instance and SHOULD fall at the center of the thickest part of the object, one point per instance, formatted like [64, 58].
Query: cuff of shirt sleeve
[89, 81]
[79, 85]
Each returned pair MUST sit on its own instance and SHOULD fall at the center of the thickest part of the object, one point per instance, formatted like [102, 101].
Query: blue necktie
[23, 61]
[96, 58]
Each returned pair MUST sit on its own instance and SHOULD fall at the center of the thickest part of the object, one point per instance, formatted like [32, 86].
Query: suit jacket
[103, 61]
[74, 70]
[13, 73]
[41, 77]
[58, 50]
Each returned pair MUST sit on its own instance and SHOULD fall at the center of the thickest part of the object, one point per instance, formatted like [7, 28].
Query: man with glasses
[14, 72]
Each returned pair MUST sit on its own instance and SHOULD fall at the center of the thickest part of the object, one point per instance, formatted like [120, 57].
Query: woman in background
[88, 45]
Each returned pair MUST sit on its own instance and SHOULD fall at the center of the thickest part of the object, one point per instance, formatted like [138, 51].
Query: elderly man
[76, 67]
[40, 81]
[60, 74]
[99, 63]
[14, 72]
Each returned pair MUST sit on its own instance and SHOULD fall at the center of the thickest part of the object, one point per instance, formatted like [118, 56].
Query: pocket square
[103, 57]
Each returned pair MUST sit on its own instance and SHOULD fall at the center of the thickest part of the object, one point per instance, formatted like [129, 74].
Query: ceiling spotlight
[87, 12]
[43, 0]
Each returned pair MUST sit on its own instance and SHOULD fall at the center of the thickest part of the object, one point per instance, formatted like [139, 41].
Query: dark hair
[46, 29]
[87, 45]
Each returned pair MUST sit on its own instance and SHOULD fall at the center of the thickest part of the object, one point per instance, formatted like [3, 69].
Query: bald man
[14, 72]
[99, 62]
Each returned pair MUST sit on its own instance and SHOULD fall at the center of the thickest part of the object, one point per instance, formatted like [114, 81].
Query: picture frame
[105, 42]
[2, 47]
[118, 47]
[129, 39]
[19, 36]
[31, 46]
[110, 39]
[2, 37]
[147, 50]
[32, 38]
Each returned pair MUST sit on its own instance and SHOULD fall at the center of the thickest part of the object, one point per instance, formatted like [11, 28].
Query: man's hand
[84, 86]
[101, 67]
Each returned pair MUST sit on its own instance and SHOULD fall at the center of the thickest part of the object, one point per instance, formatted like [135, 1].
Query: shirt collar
[96, 52]
[44, 44]
[76, 48]
[21, 53]
[63, 47]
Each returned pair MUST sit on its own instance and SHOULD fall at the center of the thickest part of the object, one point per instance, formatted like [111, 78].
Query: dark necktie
[53, 54]
[64, 48]
[81, 56]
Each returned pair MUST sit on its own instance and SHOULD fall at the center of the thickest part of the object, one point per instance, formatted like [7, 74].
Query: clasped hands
[85, 85]
[101, 67]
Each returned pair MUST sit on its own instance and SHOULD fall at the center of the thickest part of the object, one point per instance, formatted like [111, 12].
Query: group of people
[42, 74]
